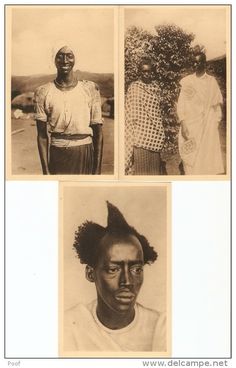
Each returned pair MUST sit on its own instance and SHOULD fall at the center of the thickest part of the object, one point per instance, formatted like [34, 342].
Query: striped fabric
[71, 160]
[146, 162]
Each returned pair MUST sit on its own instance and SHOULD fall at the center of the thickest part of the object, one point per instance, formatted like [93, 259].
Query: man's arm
[42, 140]
[181, 110]
[98, 148]
[184, 130]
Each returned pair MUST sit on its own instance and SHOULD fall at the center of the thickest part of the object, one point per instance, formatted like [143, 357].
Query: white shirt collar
[202, 77]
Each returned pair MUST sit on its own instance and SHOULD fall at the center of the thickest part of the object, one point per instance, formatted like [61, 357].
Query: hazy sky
[36, 31]
[207, 23]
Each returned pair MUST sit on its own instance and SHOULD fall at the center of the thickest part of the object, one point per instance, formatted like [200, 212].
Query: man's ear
[89, 273]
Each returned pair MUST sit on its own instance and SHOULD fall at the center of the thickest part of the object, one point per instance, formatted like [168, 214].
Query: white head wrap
[61, 43]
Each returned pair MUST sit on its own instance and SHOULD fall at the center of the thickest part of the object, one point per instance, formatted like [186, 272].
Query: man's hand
[42, 140]
[184, 131]
[98, 148]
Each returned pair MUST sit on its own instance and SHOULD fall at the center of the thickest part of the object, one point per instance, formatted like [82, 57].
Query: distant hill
[25, 84]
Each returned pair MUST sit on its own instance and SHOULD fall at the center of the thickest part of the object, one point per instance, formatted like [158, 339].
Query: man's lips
[124, 296]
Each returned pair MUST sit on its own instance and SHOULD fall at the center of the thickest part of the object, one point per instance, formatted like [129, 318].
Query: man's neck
[65, 80]
[113, 319]
[200, 73]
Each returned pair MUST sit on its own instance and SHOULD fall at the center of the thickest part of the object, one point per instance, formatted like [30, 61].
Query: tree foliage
[170, 48]
[137, 46]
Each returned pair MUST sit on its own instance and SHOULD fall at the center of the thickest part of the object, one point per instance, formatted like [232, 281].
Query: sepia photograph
[177, 91]
[60, 95]
[115, 282]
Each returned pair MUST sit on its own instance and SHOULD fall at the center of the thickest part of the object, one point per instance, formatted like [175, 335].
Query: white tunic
[69, 112]
[199, 106]
[84, 332]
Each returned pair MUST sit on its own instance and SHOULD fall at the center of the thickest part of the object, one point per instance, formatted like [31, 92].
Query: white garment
[70, 143]
[69, 112]
[199, 106]
[84, 332]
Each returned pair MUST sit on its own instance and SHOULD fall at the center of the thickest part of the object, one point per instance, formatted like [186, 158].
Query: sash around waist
[64, 141]
[69, 136]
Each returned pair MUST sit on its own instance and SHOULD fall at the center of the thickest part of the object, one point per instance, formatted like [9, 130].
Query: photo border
[179, 177]
[8, 75]
[168, 231]
[6, 177]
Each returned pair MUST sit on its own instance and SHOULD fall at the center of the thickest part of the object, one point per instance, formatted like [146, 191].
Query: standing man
[144, 132]
[115, 257]
[69, 121]
[199, 111]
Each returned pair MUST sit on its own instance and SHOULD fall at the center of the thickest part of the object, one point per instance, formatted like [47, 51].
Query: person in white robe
[115, 321]
[199, 111]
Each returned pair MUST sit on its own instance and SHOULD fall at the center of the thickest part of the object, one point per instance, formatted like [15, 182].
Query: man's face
[65, 60]
[119, 273]
[147, 74]
[199, 62]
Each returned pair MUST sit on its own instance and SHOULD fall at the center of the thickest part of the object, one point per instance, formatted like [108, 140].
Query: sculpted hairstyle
[89, 235]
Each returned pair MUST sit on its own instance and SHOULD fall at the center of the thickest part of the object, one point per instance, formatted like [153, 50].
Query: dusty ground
[25, 158]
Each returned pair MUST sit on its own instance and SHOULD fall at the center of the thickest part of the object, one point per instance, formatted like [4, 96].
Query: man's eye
[113, 270]
[137, 270]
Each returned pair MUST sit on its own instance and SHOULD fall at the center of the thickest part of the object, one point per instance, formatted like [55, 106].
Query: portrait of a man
[70, 110]
[115, 260]
[60, 84]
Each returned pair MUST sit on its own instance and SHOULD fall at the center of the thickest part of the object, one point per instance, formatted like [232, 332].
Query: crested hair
[89, 235]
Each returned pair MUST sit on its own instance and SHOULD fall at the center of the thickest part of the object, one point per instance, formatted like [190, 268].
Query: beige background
[144, 207]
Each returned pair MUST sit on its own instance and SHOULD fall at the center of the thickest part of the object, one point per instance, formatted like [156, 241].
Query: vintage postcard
[176, 105]
[61, 72]
[115, 276]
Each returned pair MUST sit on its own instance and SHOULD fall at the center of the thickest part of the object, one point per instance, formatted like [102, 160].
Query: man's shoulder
[77, 311]
[89, 85]
[187, 78]
[134, 86]
[44, 88]
[75, 308]
[211, 78]
[148, 313]
[154, 321]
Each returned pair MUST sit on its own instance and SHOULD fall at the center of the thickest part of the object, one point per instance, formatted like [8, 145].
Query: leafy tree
[137, 46]
[173, 56]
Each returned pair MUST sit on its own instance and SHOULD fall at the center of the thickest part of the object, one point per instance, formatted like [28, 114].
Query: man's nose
[65, 58]
[125, 276]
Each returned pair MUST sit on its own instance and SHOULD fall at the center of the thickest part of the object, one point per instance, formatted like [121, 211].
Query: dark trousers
[71, 160]
[146, 162]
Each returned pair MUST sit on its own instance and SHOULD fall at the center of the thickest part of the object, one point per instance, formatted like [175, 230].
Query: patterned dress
[144, 132]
